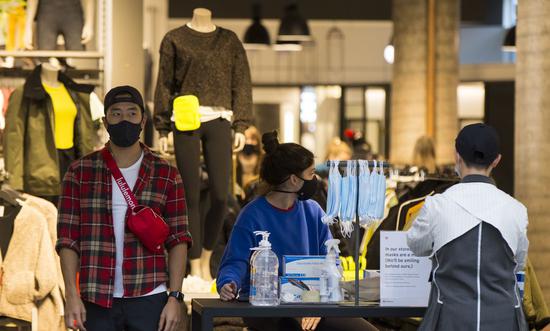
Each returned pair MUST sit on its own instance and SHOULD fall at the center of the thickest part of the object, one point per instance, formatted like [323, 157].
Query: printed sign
[404, 277]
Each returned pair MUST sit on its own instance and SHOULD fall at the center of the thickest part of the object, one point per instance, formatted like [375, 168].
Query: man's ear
[496, 161]
[143, 120]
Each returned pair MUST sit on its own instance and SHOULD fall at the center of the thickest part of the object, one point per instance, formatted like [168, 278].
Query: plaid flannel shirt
[85, 224]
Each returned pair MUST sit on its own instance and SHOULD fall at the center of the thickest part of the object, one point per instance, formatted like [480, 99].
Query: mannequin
[215, 70]
[76, 24]
[202, 22]
[48, 125]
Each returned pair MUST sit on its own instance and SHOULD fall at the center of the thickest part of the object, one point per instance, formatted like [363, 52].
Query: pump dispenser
[264, 273]
[331, 275]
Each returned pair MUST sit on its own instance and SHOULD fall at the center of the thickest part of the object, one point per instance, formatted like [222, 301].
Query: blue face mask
[381, 194]
[344, 192]
[373, 192]
[349, 212]
[364, 192]
[333, 195]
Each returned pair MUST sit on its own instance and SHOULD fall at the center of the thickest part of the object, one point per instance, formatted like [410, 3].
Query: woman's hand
[228, 292]
[310, 323]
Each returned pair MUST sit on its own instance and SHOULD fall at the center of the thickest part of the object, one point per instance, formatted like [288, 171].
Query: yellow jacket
[27, 282]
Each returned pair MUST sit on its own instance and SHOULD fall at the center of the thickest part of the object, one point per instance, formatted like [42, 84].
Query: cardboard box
[296, 289]
[303, 265]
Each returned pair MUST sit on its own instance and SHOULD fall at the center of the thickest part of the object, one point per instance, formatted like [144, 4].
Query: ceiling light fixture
[256, 36]
[293, 26]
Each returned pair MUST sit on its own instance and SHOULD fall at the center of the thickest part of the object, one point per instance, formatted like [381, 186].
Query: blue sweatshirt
[298, 231]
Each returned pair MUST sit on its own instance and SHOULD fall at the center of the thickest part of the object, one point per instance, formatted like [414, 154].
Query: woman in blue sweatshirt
[294, 222]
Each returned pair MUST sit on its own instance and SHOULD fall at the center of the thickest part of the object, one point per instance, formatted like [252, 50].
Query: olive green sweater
[212, 66]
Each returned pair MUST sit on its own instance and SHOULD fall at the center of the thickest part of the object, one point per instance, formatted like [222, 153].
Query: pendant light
[509, 43]
[256, 36]
[293, 26]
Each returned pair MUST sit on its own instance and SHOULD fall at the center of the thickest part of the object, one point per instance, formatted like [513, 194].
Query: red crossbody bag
[144, 223]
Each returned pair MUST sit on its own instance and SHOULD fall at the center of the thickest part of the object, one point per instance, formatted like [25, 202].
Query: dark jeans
[215, 137]
[295, 324]
[55, 17]
[127, 314]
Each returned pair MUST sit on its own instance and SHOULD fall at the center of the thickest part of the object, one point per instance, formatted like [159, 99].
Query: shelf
[62, 54]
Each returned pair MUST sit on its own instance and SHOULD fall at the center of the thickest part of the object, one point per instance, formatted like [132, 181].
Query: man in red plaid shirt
[123, 285]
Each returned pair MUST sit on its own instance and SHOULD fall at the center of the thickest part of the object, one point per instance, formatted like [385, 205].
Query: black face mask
[250, 149]
[124, 134]
[308, 189]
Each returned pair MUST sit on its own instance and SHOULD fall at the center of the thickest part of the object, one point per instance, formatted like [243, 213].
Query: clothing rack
[343, 164]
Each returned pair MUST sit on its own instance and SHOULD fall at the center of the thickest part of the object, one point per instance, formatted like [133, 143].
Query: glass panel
[354, 103]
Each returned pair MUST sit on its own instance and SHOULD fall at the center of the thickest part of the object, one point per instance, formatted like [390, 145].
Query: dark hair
[282, 160]
[476, 166]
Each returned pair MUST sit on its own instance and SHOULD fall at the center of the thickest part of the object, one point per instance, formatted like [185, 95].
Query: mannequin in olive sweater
[209, 62]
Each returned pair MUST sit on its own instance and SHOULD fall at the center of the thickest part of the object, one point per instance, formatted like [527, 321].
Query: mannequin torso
[202, 22]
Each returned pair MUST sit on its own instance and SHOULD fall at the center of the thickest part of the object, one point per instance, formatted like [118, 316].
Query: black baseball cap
[478, 144]
[123, 94]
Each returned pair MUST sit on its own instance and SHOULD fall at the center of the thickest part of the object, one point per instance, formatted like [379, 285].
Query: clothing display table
[204, 311]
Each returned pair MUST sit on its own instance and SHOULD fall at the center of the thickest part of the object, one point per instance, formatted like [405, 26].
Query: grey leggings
[216, 141]
[55, 17]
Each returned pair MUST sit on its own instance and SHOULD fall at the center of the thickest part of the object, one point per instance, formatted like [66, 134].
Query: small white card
[403, 276]
[1, 211]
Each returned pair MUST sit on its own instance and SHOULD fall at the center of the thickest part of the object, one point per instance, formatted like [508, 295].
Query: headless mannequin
[202, 22]
[87, 29]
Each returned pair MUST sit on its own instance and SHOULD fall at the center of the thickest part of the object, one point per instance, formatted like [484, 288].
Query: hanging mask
[309, 188]
[250, 149]
[124, 134]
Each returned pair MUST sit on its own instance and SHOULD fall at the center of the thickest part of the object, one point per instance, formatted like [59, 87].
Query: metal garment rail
[357, 227]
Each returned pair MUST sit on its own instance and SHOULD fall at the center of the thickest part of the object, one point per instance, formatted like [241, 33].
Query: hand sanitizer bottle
[331, 275]
[264, 273]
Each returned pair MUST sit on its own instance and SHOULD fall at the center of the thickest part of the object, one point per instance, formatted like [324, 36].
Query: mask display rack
[342, 166]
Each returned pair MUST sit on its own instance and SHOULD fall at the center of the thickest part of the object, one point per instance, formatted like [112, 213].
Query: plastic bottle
[264, 274]
[331, 274]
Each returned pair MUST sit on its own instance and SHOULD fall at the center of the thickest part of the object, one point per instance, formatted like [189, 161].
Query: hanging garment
[49, 211]
[27, 280]
[30, 153]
